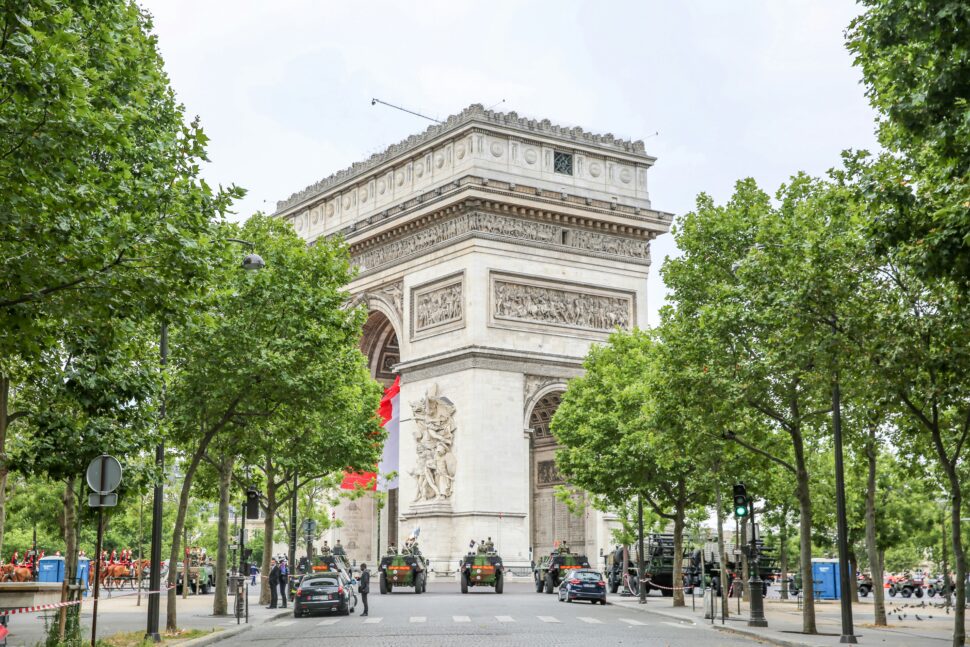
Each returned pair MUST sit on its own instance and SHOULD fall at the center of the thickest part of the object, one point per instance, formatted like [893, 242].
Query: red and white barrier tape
[58, 605]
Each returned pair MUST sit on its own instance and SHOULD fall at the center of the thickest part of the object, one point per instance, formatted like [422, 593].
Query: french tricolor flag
[390, 413]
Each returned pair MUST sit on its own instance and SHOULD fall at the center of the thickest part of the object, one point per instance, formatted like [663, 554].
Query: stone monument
[493, 250]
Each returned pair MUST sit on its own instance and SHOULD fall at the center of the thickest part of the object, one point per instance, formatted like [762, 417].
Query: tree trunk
[853, 580]
[875, 558]
[722, 556]
[783, 552]
[220, 605]
[4, 416]
[171, 619]
[959, 556]
[805, 534]
[678, 575]
[70, 552]
[269, 523]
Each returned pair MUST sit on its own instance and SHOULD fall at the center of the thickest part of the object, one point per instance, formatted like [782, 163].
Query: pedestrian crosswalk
[438, 620]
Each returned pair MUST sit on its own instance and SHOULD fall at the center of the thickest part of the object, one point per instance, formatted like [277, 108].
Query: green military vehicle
[616, 574]
[407, 569]
[552, 569]
[483, 568]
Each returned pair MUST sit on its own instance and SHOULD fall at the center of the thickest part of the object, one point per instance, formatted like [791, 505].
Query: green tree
[915, 62]
[625, 432]
[103, 215]
[274, 357]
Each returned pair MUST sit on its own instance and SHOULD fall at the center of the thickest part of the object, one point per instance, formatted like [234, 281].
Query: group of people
[279, 575]
[485, 546]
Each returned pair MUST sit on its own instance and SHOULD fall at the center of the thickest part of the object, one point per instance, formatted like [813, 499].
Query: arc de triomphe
[492, 251]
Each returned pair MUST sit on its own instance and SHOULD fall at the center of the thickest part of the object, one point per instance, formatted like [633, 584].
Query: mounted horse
[14, 573]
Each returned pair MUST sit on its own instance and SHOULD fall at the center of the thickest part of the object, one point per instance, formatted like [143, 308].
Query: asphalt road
[443, 617]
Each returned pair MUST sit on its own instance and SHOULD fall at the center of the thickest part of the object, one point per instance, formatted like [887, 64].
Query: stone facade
[488, 273]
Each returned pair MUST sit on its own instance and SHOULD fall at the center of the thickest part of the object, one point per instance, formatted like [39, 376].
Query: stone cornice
[475, 113]
[549, 207]
[486, 357]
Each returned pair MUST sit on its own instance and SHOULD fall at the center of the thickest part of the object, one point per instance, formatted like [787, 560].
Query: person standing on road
[274, 583]
[254, 572]
[364, 587]
[284, 578]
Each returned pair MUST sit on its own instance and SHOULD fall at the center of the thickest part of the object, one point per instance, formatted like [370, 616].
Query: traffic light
[740, 501]
[252, 503]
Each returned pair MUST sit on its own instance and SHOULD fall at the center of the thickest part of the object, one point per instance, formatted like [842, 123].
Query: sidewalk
[932, 627]
[119, 613]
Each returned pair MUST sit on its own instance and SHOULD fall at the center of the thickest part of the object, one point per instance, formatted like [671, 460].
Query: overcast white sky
[735, 89]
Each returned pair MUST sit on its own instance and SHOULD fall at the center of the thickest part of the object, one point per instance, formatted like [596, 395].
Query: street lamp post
[755, 584]
[251, 262]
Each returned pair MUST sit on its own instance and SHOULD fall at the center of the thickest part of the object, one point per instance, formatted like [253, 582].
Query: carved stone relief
[434, 435]
[501, 226]
[438, 306]
[547, 475]
[559, 306]
[394, 292]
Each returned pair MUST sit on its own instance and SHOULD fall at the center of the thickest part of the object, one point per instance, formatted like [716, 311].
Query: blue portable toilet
[83, 572]
[50, 569]
[825, 573]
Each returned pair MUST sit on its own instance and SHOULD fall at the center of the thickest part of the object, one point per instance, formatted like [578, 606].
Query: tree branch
[730, 435]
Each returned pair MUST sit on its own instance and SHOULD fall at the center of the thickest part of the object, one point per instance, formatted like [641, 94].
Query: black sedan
[583, 584]
[324, 592]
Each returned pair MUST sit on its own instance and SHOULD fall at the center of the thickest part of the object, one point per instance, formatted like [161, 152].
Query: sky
[718, 91]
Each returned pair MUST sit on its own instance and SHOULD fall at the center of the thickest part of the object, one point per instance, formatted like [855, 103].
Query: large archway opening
[551, 519]
[380, 346]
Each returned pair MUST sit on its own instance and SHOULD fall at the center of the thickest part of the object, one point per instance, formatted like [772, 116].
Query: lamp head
[253, 262]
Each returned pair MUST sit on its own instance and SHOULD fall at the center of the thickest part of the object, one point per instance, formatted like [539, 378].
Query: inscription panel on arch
[518, 300]
[438, 306]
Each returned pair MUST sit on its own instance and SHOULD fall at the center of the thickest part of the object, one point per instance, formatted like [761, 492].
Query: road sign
[309, 527]
[104, 474]
[108, 500]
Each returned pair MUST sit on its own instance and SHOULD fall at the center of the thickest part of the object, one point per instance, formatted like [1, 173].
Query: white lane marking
[285, 623]
[461, 618]
[635, 623]
[505, 618]
[592, 621]
[418, 618]
[680, 625]
[372, 621]
[547, 619]
[328, 622]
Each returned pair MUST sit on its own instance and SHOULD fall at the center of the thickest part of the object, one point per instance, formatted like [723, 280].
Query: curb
[754, 635]
[217, 636]
[646, 608]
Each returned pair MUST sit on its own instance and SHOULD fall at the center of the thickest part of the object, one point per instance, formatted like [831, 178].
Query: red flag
[368, 480]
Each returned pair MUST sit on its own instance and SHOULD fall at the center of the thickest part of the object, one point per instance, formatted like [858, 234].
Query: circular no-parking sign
[104, 474]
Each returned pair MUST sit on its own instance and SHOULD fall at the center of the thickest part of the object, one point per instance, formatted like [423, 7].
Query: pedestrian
[274, 583]
[364, 587]
[284, 577]
[254, 572]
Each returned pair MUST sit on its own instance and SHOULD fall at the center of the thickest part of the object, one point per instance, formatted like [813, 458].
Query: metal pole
[293, 511]
[242, 558]
[641, 567]
[754, 581]
[843, 533]
[155, 565]
[100, 542]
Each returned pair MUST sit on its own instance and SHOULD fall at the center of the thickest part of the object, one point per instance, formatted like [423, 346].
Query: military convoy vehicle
[552, 569]
[330, 562]
[864, 584]
[615, 570]
[399, 570]
[201, 574]
[906, 586]
[939, 586]
[706, 559]
[482, 569]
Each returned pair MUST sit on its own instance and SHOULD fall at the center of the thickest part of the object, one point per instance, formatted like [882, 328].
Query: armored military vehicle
[552, 569]
[482, 569]
[407, 569]
[864, 584]
[615, 572]
[907, 586]
[330, 562]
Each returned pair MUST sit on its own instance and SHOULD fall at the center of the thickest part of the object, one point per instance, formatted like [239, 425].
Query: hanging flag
[389, 412]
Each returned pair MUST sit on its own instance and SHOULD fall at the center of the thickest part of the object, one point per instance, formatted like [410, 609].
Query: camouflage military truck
[330, 562]
[201, 574]
[767, 562]
[482, 569]
[553, 568]
[615, 571]
[408, 570]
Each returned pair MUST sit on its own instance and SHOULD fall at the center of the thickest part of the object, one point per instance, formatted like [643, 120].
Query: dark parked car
[583, 584]
[325, 592]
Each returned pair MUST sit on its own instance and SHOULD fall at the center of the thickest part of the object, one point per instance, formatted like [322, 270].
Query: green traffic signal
[740, 501]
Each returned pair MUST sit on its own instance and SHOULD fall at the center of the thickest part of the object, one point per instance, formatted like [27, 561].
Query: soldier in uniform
[563, 547]
[325, 550]
[481, 548]
[391, 549]
[489, 546]
[338, 549]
